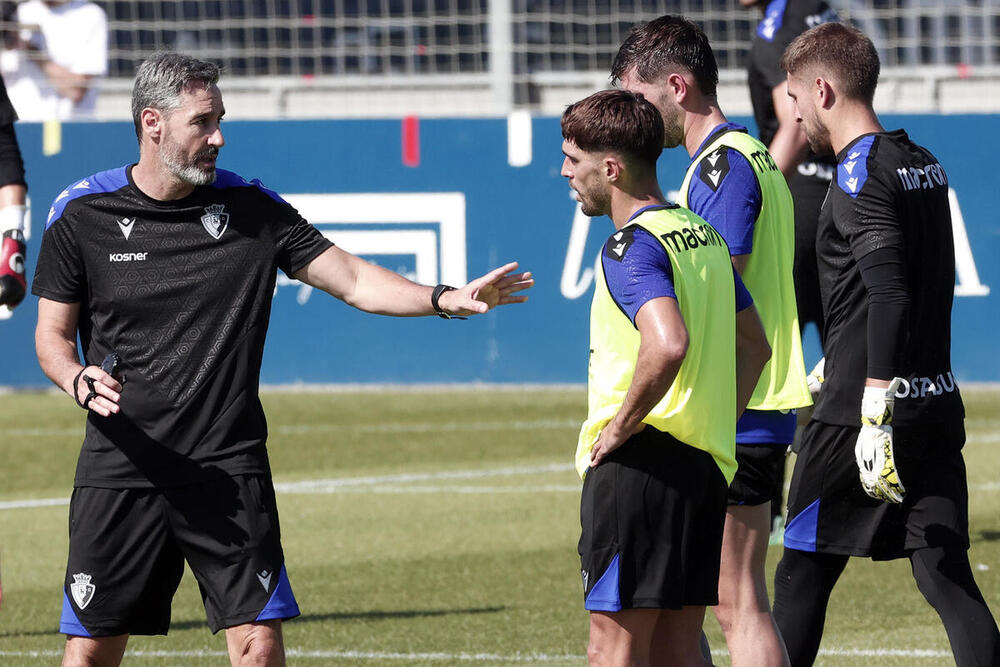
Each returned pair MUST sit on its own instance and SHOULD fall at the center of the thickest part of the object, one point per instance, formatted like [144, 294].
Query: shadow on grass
[310, 618]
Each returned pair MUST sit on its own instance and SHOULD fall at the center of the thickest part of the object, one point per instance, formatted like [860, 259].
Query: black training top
[182, 291]
[783, 21]
[890, 197]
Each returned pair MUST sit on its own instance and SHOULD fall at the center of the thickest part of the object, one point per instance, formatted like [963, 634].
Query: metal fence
[510, 50]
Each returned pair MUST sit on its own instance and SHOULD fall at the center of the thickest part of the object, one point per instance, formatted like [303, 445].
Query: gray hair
[162, 77]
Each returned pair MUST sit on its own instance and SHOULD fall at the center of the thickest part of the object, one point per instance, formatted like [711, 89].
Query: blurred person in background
[13, 211]
[880, 472]
[13, 215]
[808, 174]
[669, 323]
[54, 57]
[166, 269]
[733, 183]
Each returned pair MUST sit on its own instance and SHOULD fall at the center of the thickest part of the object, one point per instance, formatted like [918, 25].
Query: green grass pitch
[431, 528]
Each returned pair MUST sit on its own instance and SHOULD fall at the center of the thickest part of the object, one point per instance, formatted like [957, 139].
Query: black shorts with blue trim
[760, 474]
[652, 516]
[828, 512]
[127, 548]
[762, 439]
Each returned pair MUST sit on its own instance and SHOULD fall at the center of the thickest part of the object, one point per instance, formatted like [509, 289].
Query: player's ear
[678, 86]
[151, 121]
[612, 168]
[825, 93]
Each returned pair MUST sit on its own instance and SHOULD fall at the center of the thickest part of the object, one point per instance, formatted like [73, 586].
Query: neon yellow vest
[768, 275]
[699, 408]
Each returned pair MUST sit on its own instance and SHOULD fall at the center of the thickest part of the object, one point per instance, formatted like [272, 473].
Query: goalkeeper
[12, 210]
[880, 473]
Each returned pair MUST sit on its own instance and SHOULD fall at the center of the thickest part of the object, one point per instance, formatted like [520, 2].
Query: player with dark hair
[890, 413]
[166, 269]
[656, 451]
[734, 184]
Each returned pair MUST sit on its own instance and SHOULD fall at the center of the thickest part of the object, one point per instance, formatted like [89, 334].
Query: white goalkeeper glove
[873, 451]
[815, 378]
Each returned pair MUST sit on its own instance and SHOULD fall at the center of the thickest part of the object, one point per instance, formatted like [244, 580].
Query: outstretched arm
[374, 289]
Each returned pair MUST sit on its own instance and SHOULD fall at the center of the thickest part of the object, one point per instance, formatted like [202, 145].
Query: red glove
[12, 282]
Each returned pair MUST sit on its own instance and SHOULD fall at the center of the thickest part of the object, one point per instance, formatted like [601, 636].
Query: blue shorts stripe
[69, 624]
[282, 603]
[800, 533]
[605, 596]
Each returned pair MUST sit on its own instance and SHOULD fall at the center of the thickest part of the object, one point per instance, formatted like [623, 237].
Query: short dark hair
[842, 52]
[162, 77]
[616, 121]
[651, 48]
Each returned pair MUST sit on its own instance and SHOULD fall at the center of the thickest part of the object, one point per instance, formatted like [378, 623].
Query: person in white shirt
[53, 65]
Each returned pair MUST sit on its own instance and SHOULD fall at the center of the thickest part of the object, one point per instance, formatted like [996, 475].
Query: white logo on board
[425, 228]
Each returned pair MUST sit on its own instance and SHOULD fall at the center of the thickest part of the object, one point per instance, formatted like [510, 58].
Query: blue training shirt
[644, 273]
[726, 193]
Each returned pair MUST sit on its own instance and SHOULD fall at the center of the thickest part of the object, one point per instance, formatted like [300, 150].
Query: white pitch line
[314, 485]
[471, 490]
[375, 484]
[417, 427]
[28, 504]
[442, 656]
[406, 483]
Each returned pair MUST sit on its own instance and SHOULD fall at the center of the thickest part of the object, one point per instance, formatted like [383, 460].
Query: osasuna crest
[215, 219]
[82, 590]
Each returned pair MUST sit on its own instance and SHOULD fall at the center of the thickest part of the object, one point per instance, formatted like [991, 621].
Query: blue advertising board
[447, 205]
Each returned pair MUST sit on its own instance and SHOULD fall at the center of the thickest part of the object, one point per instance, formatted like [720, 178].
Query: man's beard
[595, 206]
[188, 171]
[673, 131]
[818, 137]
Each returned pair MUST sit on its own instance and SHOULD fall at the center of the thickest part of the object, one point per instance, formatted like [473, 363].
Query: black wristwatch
[435, 295]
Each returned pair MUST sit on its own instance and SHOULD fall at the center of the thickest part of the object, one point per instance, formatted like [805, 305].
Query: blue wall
[523, 213]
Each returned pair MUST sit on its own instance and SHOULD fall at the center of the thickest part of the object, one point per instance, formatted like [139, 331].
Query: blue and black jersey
[889, 202]
[181, 290]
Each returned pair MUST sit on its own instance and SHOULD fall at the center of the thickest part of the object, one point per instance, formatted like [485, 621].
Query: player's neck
[699, 124]
[625, 204]
[152, 178]
[855, 121]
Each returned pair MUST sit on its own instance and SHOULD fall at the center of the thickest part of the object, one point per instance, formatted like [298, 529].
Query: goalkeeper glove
[815, 378]
[12, 281]
[873, 451]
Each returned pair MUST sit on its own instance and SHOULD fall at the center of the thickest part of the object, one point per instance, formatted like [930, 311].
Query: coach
[168, 267]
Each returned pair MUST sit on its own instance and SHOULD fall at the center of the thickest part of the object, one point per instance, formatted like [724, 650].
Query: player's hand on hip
[611, 438]
[97, 391]
[873, 450]
[499, 287]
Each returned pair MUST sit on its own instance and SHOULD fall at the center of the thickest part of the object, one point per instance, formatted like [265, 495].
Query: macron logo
[126, 226]
[127, 256]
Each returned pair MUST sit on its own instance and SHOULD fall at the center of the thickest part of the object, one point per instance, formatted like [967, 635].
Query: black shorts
[828, 512]
[652, 516]
[760, 475]
[127, 549]
[808, 193]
